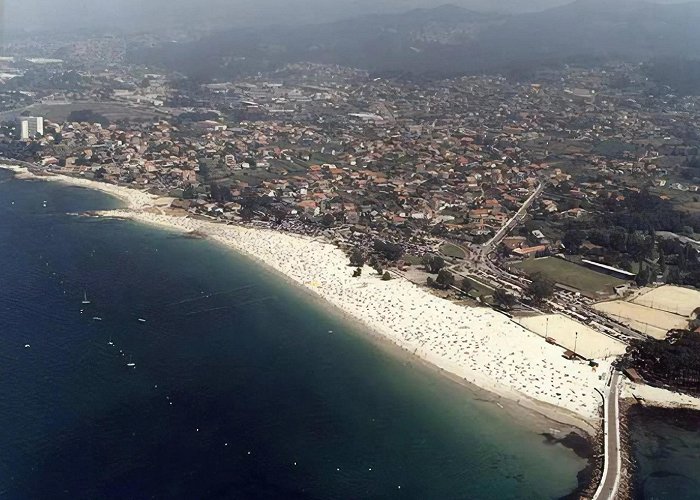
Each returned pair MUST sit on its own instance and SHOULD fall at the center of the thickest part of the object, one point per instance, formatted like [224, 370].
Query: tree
[674, 276]
[386, 276]
[327, 220]
[643, 276]
[504, 299]
[662, 261]
[188, 192]
[357, 258]
[466, 286]
[433, 263]
[572, 240]
[357, 273]
[618, 239]
[540, 288]
[392, 251]
[445, 278]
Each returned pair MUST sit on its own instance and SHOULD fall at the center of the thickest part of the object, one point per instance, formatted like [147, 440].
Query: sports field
[567, 273]
[673, 299]
[644, 319]
[573, 335]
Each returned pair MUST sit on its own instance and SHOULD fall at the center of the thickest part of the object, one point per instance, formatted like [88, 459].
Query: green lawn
[567, 273]
[450, 250]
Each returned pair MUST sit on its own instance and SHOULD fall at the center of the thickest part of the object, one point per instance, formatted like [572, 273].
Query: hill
[448, 40]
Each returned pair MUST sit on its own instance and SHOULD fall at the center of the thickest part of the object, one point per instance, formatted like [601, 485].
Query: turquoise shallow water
[239, 389]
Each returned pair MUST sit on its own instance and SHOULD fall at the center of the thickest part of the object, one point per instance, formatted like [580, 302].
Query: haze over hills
[157, 15]
[450, 40]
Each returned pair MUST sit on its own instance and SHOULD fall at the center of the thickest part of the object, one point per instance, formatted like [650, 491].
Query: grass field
[450, 250]
[589, 282]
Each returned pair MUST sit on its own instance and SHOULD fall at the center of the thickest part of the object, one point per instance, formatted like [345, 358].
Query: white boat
[85, 299]
[109, 342]
[131, 364]
[97, 318]
[142, 320]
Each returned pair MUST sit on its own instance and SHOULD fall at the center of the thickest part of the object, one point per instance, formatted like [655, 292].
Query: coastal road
[607, 489]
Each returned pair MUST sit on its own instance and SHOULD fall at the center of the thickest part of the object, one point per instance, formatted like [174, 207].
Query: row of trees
[674, 361]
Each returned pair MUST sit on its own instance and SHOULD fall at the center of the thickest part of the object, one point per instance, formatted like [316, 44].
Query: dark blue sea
[238, 389]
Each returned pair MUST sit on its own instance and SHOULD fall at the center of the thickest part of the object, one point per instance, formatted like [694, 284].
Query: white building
[31, 127]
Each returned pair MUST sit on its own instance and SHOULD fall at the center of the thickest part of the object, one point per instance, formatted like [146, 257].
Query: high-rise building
[31, 127]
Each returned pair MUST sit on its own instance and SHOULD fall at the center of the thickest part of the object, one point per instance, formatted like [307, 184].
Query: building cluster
[332, 147]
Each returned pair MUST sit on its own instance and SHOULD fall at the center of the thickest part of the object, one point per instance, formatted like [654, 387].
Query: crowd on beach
[478, 345]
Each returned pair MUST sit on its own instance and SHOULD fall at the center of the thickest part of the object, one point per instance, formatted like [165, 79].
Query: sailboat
[85, 299]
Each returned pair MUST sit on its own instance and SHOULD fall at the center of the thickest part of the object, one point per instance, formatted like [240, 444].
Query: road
[607, 489]
[493, 242]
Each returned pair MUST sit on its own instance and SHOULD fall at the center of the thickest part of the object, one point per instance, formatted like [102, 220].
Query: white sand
[673, 299]
[644, 319]
[478, 345]
[589, 343]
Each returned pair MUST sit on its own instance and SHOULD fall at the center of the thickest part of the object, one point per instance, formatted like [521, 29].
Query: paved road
[493, 243]
[607, 490]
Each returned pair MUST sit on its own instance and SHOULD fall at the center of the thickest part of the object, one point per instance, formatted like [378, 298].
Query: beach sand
[471, 344]
[650, 321]
[573, 335]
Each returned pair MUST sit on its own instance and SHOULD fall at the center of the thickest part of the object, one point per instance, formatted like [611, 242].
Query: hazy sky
[62, 15]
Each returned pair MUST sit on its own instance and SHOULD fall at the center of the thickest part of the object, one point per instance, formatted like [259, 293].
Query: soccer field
[567, 273]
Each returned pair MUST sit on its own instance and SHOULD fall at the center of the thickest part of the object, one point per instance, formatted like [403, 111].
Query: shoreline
[325, 277]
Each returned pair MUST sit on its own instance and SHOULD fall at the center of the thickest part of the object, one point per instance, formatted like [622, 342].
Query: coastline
[476, 347]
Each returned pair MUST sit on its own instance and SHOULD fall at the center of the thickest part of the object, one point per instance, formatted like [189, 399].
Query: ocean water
[666, 451]
[239, 389]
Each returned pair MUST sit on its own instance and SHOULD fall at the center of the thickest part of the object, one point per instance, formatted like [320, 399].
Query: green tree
[327, 220]
[572, 240]
[433, 263]
[386, 276]
[357, 258]
[540, 288]
[445, 278]
[643, 277]
[504, 299]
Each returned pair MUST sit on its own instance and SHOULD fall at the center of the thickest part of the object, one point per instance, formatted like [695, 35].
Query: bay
[243, 386]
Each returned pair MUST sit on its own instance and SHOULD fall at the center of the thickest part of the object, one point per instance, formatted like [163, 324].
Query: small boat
[85, 299]
[131, 364]
[109, 342]
[141, 320]
[27, 346]
[97, 318]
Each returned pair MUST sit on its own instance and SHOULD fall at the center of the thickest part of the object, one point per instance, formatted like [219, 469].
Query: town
[532, 233]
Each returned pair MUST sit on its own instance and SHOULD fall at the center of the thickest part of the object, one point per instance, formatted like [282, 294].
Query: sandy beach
[474, 344]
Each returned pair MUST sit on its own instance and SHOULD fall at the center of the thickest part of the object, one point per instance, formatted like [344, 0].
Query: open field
[669, 298]
[113, 111]
[589, 282]
[450, 250]
[644, 319]
[589, 343]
